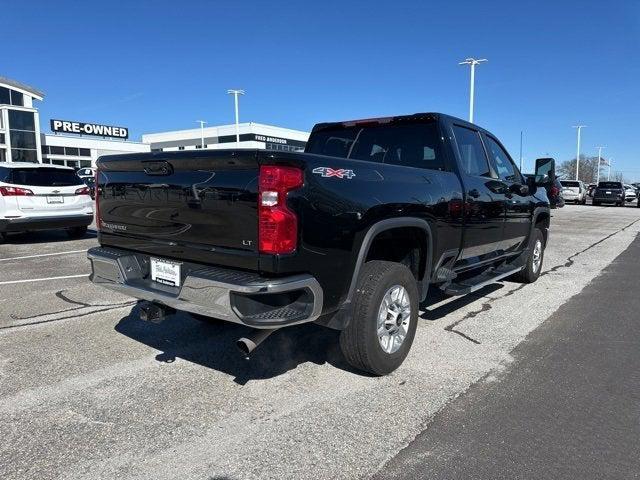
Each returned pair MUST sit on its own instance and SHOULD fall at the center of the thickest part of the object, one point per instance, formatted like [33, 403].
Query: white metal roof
[21, 87]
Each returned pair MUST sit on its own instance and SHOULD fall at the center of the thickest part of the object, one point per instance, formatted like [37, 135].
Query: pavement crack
[570, 259]
[567, 264]
[84, 314]
[60, 294]
[452, 327]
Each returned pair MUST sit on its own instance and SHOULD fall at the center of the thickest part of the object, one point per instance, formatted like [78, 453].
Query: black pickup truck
[349, 234]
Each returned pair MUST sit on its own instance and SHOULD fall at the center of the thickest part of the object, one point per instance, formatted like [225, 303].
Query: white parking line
[42, 255]
[43, 279]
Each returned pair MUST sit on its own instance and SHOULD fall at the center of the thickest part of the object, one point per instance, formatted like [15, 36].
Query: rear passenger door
[484, 209]
[518, 209]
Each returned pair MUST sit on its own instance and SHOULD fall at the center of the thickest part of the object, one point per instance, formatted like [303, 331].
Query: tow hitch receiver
[154, 312]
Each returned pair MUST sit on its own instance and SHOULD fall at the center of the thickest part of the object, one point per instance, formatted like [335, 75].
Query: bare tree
[619, 177]
[587, 170]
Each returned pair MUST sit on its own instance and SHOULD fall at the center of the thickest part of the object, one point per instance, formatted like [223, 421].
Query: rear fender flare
[342, 316]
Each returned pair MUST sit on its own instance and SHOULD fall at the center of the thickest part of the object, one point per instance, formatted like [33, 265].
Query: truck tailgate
[195, 207]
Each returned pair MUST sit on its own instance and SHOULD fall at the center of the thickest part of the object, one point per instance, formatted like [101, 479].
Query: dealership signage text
[89, 129]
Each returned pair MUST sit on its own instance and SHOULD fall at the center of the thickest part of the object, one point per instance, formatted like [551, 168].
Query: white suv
[574, 191]
[34, 196]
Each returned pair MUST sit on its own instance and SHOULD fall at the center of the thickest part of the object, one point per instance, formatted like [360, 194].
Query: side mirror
[545, 171]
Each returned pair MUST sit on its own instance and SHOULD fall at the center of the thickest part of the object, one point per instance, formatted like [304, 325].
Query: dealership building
[79, 144]
[250, 135]
[73, 144]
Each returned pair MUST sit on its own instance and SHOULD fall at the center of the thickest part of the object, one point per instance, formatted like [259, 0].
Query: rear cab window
[617, 185]
[41, 177]
[416, 144]
[566, 183]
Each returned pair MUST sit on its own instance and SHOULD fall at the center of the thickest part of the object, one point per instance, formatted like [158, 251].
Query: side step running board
[479, 281]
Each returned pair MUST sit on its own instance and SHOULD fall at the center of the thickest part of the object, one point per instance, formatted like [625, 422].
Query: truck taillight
[97, 195]
[277, 225]
[15, 192]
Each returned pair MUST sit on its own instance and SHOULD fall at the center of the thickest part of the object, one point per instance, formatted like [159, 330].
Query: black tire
[595, 204]
[530, 273]
[77, 232]
[359, 341]
[3, 237]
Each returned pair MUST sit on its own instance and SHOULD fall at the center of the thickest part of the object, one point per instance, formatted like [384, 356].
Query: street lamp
[235, 94]
[472, 62]
[201, 122]
[599, 160]
[609, 174]
[579, 127]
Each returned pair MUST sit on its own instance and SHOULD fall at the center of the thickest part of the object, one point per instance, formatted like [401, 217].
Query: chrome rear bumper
[232, 295]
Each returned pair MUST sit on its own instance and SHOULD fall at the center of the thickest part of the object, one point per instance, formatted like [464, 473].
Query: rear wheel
[533, 265]
[595, 204]
[385, 318]
[3, 237]
[77, 232]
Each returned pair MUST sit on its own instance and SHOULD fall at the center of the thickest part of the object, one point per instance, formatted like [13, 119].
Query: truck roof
[396, 118]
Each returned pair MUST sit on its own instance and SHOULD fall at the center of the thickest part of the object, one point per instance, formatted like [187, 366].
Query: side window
[472, 156]
[502, 163]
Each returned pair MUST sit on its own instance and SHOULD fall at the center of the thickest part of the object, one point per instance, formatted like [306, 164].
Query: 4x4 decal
[330, 172]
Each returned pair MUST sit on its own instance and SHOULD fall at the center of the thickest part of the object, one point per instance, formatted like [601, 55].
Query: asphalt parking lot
[87, 390]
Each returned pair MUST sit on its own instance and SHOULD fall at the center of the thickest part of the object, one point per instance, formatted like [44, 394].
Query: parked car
[91, 183]
[591, 188]
[86, 172]
[349, 234]
[609, 192]
[554, 192]
[574, 191]
[43, 197]
[630, 193]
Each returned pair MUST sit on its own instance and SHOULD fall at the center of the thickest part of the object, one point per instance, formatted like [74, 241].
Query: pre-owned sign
[82, 128]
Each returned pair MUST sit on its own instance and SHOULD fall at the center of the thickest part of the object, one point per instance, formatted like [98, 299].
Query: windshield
[609, 185]
[566, 183]
[42, 177]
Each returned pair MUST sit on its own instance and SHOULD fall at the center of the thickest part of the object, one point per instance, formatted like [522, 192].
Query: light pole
[201, 122]
[579, 127]
[520, 151]
[235, 94]
[609, 174]
[598, 168]
[472, 62]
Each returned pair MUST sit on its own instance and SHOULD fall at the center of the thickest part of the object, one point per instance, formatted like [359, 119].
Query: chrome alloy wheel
[537, 256]
[394, 317]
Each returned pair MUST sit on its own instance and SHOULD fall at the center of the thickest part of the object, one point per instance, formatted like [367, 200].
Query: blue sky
[161, 65]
